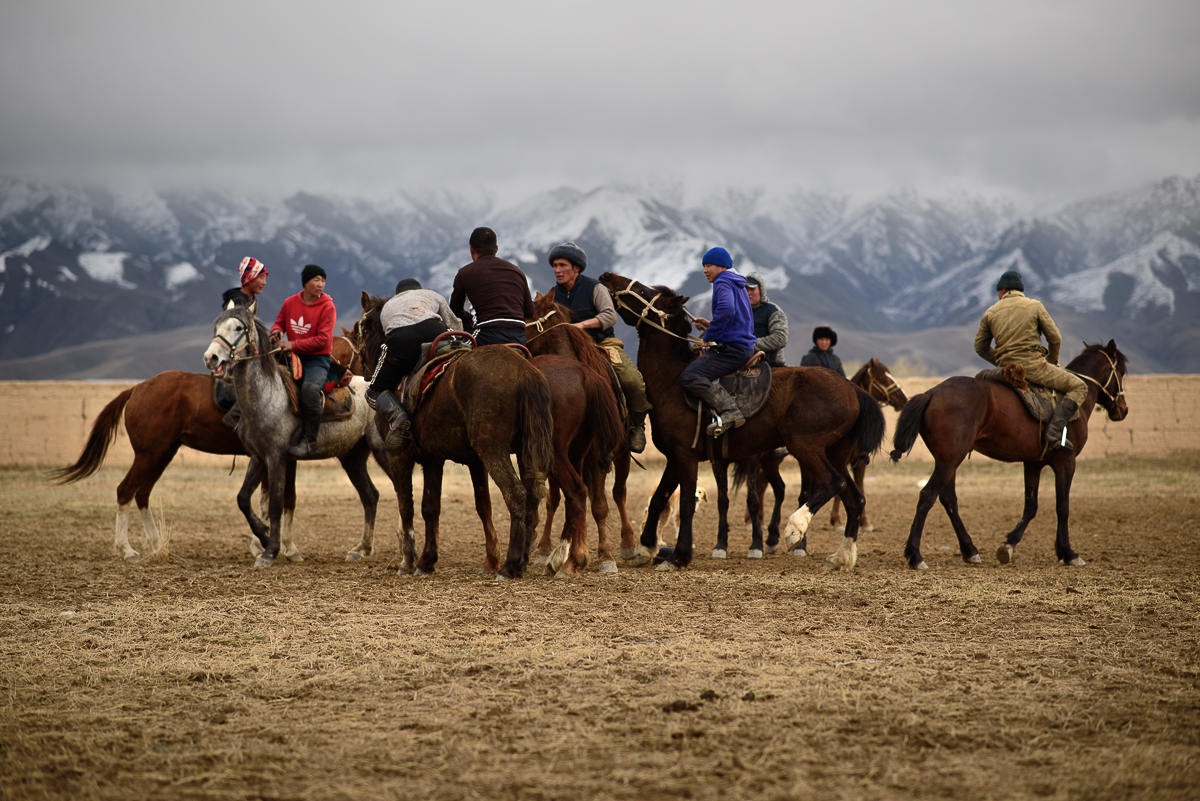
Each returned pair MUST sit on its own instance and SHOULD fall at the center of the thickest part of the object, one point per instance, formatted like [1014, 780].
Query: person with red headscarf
[253, 276]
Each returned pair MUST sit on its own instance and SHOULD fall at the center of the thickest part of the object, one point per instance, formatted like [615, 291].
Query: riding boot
[312, 399]
[637, 432]
[232, 418]
[399, 423]
[1056, 429]
[729, 416]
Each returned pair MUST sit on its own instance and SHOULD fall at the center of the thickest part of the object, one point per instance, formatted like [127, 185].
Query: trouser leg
[1074, 392]
[699, 378]
[633, 386]
[312, 400]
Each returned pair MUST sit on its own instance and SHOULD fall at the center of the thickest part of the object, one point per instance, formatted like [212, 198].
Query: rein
[647, 307]
[1113, 374]
[887, 389]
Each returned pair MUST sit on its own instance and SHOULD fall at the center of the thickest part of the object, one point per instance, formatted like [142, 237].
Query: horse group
[552, 414]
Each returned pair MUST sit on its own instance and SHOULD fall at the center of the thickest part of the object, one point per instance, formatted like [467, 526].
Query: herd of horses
[547, 423]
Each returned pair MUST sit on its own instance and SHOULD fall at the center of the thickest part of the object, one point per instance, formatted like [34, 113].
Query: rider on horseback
[731, 334]
[411, 318]
[592, 311]
[1017, 324]
[307, 318]
[253, 279]
[498, 291]
[770, 323]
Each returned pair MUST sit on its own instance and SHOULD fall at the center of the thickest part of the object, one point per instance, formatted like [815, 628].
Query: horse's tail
[535, 422]
[909, 425]
[741, 473]
[868, 430]
[104, 431]
[604, 418]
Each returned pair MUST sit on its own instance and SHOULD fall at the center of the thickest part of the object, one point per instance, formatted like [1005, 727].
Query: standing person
[731, 334]
[821, 353]
[411, 318]
[770, 323]
[307, 320]
[593, 312]
[253, 275]
[498, 292]
[1017, 323]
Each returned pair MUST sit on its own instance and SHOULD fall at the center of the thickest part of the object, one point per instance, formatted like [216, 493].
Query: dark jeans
[312, 393]
[401, 352]
[494, 335]
[315, 369]
[698, 376]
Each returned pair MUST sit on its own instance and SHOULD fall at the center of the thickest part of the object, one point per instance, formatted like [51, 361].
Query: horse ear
[550, 295]
[366, 300]
[1112, 348]
[230, 305]
[253, 308]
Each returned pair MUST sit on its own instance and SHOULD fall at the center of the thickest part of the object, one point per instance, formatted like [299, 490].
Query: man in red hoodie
[307, 320]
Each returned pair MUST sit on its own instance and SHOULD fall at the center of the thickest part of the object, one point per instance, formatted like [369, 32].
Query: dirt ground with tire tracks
[196, 676]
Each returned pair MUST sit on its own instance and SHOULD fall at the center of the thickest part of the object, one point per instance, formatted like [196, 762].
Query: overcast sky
[1044, 100]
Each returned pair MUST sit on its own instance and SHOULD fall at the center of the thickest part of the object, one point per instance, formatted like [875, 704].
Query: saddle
[750, 386]
[339, 404]
[1039, 401]
[436, 356]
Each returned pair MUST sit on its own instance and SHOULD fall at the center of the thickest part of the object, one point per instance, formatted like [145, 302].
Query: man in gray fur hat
[1017, 324]
[770, 323]
[592, 311]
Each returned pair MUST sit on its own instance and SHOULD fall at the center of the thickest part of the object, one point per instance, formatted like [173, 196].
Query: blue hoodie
[732, 318]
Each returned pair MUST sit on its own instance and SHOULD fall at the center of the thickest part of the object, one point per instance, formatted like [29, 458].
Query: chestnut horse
[817, 415]
[490, 403]
[964, 414]
[162, 413]
[551, 333]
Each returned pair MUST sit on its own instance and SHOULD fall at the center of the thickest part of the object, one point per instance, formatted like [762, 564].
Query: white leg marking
[845, 557]
[287, 542]
[121, 540]
[797, 526]
[642, 556]
[153, 539]
[558, 557]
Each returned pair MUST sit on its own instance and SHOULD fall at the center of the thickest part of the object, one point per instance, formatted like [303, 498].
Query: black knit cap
[406, 284]
[310, 272]
[1011, 279]
[571, 252]
[825, 332]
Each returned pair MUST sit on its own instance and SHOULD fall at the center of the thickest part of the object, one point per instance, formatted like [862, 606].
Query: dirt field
[199, 677]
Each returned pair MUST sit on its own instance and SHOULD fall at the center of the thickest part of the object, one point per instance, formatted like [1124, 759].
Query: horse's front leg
[682, 555]
[431, 512]
[846, 556]
[401, 468]
[604, 554]
[720, 470]
[779, 490]
[860, 480]
[942, 473]
[483, 507]
[287, 521]
[1033, 477]
[620, 493]
[647, 547]
[277, 480]
[542, 555]
[1064, 473]
[256, 473]
[754, 494]
[355, 465]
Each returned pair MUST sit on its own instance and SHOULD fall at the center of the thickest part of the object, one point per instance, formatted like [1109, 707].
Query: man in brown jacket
[1017, 324]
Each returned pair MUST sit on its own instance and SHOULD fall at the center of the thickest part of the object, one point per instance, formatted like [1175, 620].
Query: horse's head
[638, 303]
[344, 350]
[235, 335]
[547, 313]
[876, 379]
[370, 331]
[1104, 366]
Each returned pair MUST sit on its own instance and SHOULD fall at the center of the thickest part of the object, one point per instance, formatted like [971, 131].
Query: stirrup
[721, 425]
[397, 436]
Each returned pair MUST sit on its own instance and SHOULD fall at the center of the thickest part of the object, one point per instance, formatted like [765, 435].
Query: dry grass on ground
[198, 677]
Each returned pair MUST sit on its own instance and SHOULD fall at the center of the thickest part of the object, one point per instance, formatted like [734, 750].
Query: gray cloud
[1050, 99]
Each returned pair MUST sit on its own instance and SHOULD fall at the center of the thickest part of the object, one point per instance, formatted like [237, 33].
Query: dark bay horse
[490, 403]
[550, 332]
[172, 409]
[963, 414]
[817, 415]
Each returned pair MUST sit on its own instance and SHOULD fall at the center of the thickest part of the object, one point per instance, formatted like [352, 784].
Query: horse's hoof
[1076, 562]
[502, 577]
[1004, 554]
[754, 553]
[607, 567]
[132, 556]
[974, 560]
[540, 559]
[772, 548]
[868, 528]
[262, 561]
[665, 554]
[354, 556]
[628, 553]
[828, 566]
[719, 553]
[799, 552]
[422, 572]
[667, 567]
[921, 566]
[294, 558]
[839, 528]
[562, 574]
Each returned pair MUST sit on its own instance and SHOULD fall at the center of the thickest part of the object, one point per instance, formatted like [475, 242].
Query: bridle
[355, 351]
[647, 307]
[886, 389]
[540, 324]
[250, 347]
[1114, 373]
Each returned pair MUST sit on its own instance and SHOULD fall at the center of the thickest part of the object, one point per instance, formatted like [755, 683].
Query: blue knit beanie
[719, 257]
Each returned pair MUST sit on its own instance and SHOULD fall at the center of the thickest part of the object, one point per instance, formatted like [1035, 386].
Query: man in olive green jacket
[1017, 324]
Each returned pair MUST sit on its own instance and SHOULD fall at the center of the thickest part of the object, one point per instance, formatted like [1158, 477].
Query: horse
[240, 348]
[162, 413]
[490, 403]
[554, 334]
[817, 415]
[964, 414]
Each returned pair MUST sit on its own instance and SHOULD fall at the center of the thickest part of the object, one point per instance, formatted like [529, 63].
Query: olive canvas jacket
[1017, 324]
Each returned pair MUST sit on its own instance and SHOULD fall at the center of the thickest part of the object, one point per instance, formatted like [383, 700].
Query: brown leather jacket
[1017, 323]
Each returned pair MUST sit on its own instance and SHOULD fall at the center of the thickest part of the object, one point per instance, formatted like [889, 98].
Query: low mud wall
[45, 423]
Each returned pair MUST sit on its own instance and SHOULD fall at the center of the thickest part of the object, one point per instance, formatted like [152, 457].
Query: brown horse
[551, 333]
[964, 414]
[162, 413]
[817, 415]
[490, 402]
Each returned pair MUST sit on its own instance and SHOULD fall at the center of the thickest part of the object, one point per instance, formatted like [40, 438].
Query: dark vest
[237, 296]
[579, 301]
[762, 319]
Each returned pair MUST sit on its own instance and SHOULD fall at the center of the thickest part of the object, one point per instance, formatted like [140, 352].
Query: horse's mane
[581, 342]
[1090, 350]
[372, 332]
[862, 371]
[676, 322]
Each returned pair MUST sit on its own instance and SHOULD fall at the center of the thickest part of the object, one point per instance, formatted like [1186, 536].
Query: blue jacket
[732, 318]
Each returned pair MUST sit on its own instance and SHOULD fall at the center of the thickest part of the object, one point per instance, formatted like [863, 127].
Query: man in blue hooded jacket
[730, 335]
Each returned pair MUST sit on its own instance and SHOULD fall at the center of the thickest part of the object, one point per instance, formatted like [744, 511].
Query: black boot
[637, 432]
[232, 418]
[1056, 429]
[312, 399]
[729, 416]
[399, 423]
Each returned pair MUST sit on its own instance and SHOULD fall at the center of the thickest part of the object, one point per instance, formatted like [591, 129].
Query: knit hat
[310, 272]
[825, 332]
[719, 257]
[571, 252]
[251, 268]
[406, 284]
[1011, 279]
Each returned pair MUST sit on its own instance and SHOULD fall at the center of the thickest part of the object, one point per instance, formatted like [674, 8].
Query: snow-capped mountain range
[82, 265]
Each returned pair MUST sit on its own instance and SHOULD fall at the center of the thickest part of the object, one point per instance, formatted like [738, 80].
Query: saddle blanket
[339, 404]
[750, 388]
[1040, 401]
